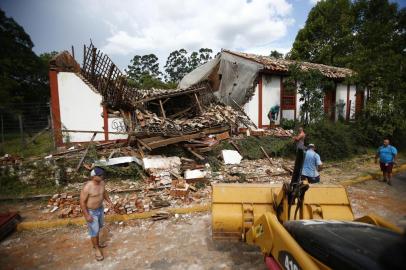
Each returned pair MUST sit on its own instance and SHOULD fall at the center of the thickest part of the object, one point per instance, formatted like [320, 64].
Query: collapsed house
[95, 102]
[258, 84]
[234, 91]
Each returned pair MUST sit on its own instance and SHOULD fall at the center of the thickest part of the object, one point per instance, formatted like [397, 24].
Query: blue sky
[124, 28]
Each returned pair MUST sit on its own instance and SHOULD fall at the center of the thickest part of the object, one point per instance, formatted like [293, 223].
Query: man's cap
[311, 145]
[97, 172]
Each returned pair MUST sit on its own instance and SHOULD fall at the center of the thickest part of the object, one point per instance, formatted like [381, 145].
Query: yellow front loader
[302, 226]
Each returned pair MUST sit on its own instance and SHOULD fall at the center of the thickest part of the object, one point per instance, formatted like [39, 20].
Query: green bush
[334, 140]
[289, 123]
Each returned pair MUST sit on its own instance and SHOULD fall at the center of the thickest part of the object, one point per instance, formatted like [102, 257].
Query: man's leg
[101, 224]
[389, 174]
[95, 241]
[94, 237]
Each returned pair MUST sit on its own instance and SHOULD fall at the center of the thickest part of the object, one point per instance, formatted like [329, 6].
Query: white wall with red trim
[76, 107]
[251, 107]
[268, 94]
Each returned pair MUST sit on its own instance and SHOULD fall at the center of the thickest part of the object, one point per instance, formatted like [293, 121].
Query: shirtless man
[91, 202]
[299, 139]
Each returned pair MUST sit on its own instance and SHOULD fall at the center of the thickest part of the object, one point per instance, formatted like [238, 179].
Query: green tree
[134, 71]
[193, 61]
[276, 54]
[176, 65]
[327, 35]
[143, 72]
[205, 55]
[143, 65]
[23, 76]
[311, 90]
[368, 36]
[198, 58]
[379, 58]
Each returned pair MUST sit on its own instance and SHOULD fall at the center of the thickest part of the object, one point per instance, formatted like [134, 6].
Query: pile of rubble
[275, 132]
[215, 115]
[67, 204]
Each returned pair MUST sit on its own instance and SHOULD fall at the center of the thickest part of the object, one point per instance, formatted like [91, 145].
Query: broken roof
[108, 80]
[282, 65]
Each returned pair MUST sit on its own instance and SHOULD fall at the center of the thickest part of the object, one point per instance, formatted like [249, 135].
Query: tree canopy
[368, 36]
[23, 75]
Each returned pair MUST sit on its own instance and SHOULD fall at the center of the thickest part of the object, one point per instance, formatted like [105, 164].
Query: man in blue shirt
[387, 157]
[311, 166]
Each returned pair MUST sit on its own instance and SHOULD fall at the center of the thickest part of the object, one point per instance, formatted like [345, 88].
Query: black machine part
[350, 245]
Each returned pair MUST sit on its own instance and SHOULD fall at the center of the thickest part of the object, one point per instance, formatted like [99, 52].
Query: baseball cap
[311, 145]
[97, 172]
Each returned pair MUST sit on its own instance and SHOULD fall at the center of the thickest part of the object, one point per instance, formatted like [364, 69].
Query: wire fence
[22, 124]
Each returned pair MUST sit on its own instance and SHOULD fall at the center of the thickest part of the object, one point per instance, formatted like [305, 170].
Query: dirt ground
[182, 242]
[177, 243]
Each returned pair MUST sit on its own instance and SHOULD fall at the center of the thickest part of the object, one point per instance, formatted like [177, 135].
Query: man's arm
[84, 195]
[319, 164]
[299, 137]
[395, 154]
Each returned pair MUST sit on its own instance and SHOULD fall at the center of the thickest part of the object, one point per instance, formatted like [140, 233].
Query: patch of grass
[214, 162]
[12, 145]
[251, 146]
[132, 171]
[10, 186]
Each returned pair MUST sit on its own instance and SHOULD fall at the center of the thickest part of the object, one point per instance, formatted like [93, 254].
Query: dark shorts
[312, 180]
[386, 167]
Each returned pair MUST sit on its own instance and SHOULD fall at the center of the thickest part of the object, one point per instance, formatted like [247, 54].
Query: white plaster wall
[251, 107]
[116, 125]
[353, 92]
[298, 102]
[289, 114]
[79, 107]
[271, 96]
[341, 95]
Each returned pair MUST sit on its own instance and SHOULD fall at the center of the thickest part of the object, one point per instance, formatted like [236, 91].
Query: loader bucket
[235, 207]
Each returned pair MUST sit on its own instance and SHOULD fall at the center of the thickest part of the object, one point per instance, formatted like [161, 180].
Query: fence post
[20, 121]
[51, 126]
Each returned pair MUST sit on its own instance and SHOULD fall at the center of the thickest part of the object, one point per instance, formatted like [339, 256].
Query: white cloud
[140, 27]
[313, 2]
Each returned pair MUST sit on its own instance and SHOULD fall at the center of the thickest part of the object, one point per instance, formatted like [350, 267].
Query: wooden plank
[92, 131]
[169, 95]
[198, 103]
[167, 141]
[180, 112]
[159, 141]
[223, 136]
[144, 144]
[195, 154]
[162, 109]
[236, 147]
[266, 154]
[85, 153]
[242, 110]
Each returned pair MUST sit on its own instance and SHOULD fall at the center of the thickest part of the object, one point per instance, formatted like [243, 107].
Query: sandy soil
[177, 243]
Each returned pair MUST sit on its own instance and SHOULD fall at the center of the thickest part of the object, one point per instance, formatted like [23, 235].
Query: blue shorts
[97, 223]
